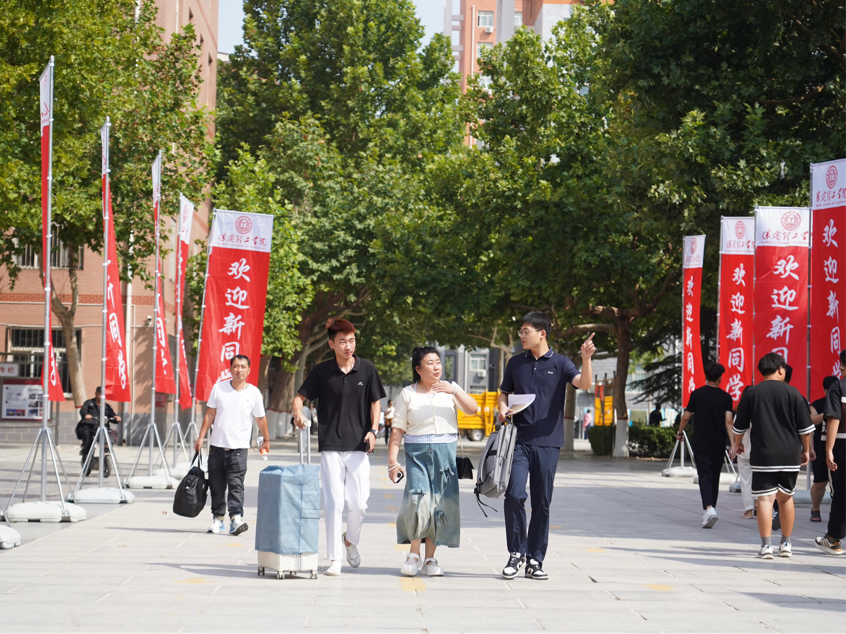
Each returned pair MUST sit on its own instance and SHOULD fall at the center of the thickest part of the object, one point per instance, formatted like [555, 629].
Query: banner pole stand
[680, 472]
[152, 481]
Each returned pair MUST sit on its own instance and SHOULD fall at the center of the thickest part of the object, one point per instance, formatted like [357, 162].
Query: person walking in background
[389, 421]
[349, 390]
[835, 456]
[656, 417]
[744, 473]
[781, 428]
[818, 462]
[540, 435]
[587, 423]
[231, 407]
[426, 415]
[713, 409]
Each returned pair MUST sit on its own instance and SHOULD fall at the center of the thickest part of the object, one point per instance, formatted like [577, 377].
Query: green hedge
[600, 438]
[651, 442]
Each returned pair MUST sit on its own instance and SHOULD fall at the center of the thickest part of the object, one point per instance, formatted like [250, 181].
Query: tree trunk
[67, 318]
[624, 348]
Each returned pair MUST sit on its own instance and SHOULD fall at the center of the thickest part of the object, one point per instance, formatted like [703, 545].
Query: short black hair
[99, 390]
[417, 356]
[788, 373]
[243, 357]
[843, 357]
[713, 371]
[771, 363]
[828, 382]
[538, 321]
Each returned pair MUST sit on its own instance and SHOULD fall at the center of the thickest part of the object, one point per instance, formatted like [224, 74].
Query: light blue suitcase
[288, 520]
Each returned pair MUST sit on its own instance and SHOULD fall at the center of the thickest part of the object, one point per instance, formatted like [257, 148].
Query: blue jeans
[227, 470]
[537, 464]
[430, 507]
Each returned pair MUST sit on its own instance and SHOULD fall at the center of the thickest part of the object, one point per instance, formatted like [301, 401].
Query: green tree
[110, 61]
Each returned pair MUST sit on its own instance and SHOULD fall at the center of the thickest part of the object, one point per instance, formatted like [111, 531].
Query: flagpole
[103, 391]
[156, 205]
[45, 256]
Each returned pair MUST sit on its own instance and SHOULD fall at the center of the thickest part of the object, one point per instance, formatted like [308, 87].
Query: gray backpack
[494, 469]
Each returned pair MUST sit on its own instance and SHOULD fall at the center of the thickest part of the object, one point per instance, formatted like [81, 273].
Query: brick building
[22, 309]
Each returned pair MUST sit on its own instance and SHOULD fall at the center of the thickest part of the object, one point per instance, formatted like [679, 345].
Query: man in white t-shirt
[231, 407]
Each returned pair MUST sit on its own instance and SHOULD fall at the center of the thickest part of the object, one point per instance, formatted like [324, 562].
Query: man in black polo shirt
[347, 390]
[818, 465]
[713, 409]
[540, 435]
[835, 456]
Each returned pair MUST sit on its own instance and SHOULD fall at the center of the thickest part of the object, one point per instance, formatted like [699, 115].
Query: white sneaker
[766, 552]
[412, 565]
[785, 550]
[237, 526]
[710, 518]
[334, 569]
[431, 568]
[217, 526]
[353, 558]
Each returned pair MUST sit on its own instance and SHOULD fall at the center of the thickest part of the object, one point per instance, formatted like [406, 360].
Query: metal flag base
[734, 487]
[9, 538]
[150, 481]
[44, 510]
[680, 472]
[48, 512]
[177, 472]
[101, 494]
[177, 469]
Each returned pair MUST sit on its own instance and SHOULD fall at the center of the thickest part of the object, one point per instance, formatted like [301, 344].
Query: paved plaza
[627, 554]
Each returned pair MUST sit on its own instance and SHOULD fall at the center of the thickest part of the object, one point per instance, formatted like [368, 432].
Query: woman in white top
[425, 414]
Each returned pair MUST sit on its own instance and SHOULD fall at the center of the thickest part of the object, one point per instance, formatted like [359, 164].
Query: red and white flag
[165, 383]
[828, 271]
[186, 216]
[54, 383]
[236, 293]
[693, 375]
[117, 357]
[781, 287]
[737, 273]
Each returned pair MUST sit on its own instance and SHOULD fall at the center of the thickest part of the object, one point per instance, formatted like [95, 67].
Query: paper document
[519, 402]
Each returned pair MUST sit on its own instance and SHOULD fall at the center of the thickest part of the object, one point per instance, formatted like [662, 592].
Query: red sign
[828, 274]
[737, 266]
[781, 287]
[186, 214]
[236, 293]
[693, 375]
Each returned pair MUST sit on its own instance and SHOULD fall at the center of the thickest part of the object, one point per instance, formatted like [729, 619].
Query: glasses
[523, 332]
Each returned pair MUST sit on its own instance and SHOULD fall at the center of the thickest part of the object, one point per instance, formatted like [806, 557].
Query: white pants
[346, 478]
[744, 470]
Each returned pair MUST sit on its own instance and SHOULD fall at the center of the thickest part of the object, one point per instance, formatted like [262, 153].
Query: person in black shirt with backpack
[781, 434]
[835, 456]
[713, 409]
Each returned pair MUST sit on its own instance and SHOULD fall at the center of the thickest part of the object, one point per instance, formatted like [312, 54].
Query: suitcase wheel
[261, 571]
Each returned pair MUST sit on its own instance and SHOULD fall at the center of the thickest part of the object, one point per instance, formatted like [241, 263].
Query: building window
[518, 19]
[476, 389]
[481, 46]
[478, 362]
[26, 347]
[485, 18]
[59, 256]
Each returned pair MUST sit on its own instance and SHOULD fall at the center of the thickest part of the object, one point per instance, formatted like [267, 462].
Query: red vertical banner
[117, 356]
[737, 283]
[693, 375]
[45, 107]
[236, 294]
[186, 216]
[163, 378]
[782, 236]
[828, 271]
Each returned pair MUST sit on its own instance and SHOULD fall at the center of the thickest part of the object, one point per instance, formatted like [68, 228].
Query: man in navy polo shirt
[540, 435]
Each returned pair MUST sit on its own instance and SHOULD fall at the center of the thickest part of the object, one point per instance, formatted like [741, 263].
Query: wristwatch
[371, 431]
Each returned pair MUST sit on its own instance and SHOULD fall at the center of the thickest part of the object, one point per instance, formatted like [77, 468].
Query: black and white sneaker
[534, 570]
[515, 562]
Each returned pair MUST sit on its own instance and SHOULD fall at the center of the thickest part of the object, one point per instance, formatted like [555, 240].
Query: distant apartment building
[473, 25]
[22, 309]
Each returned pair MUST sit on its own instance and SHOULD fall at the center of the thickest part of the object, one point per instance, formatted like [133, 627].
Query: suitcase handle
[307, 432]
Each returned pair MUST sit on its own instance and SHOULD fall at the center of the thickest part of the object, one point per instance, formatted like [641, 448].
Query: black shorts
[820, 468]
[768, 482]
